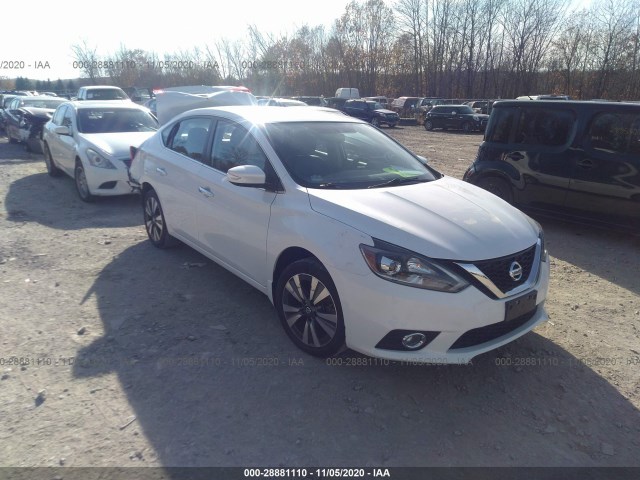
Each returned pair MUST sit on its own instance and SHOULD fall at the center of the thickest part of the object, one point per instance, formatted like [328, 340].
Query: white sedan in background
[90, 142]
[352, 237]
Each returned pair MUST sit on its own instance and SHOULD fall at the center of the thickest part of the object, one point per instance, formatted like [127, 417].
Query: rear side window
[615, 132]
[189, 137]
[544, 127]
[499, 128]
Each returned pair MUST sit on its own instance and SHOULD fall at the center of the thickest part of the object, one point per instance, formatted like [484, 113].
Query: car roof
[567, 103]
[101, 87]
[105, 104]
[258, 114]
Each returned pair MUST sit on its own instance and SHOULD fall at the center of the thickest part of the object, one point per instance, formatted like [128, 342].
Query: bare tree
[87, 60]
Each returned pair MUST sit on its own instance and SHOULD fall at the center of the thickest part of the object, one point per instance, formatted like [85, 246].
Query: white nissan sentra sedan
[352, 237]
[90, 141]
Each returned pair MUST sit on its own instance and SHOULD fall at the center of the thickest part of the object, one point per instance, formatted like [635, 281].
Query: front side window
[57, 116]
[67, 119]
[615, 132]
[189, 137]
[344, 155]
[233, 146]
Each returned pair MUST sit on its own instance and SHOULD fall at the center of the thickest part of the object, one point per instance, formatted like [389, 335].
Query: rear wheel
[498, 187]
[154, 221]
[309, 308]
[52, 170]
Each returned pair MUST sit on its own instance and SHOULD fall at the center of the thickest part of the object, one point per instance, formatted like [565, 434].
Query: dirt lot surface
[132, 356]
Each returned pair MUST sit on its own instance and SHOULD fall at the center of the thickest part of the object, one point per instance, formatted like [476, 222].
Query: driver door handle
[586, 164]
[205, 191]
[161, 171]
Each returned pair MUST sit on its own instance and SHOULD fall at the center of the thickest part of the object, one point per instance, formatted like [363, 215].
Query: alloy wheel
[310, 310]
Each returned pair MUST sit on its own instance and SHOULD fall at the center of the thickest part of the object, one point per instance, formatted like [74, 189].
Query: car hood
[445, 218]
[39, 112]
[115, 144]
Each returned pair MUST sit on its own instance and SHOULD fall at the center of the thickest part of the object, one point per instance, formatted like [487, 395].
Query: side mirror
[423, 160]
[62, 130]
[247, 176]
[454, 113]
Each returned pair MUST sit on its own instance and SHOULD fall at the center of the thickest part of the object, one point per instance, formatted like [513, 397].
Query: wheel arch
[287, 257]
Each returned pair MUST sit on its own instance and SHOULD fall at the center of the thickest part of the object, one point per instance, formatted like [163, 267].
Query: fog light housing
[406, 340]
[413, 341]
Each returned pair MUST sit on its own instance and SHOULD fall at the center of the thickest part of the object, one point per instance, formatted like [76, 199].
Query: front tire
[428, 125]
[497, 186]
[82, 185]
[154, 221]
[308, 305]
[466, 127]
[52, 169]
[375, 122]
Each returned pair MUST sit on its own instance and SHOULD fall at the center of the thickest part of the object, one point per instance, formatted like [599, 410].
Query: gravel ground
[131, 356]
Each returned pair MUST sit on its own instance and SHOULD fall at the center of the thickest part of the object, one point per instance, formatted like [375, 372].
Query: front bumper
[373, 307]
[108, 182]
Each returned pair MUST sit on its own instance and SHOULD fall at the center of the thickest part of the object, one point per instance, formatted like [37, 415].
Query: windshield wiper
[399, 181]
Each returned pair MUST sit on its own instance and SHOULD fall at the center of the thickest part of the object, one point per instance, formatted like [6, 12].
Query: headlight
[408, 268]
[545, 255]
[97, 160]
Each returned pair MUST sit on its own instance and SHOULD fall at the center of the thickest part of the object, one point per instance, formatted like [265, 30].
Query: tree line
[444, 48]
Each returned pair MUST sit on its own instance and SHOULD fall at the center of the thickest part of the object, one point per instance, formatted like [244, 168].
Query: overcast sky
[46, 33]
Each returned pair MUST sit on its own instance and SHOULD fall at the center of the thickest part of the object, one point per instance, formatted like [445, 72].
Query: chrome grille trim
[476, 273]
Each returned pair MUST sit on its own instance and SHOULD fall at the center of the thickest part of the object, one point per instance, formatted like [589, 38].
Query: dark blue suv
[578, 160]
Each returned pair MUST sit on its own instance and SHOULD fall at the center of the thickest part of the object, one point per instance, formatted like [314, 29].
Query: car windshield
[374, 106]
[106, 94]
[344, 155]
[39, 103]
[110, 120]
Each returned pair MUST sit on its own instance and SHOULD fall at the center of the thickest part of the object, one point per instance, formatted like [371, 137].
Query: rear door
[537, 144]
[174, 173]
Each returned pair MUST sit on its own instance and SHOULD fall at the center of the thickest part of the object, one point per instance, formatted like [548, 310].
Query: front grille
[481, 335]
[497, 269]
